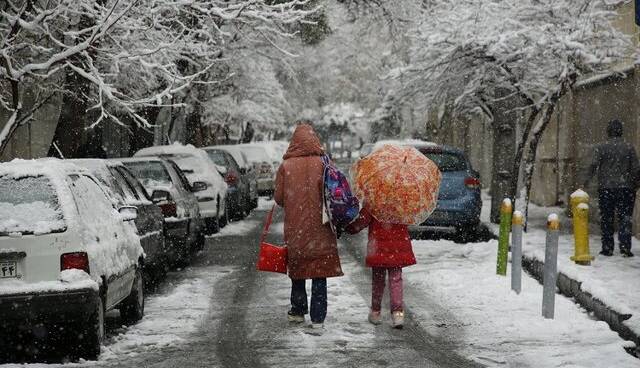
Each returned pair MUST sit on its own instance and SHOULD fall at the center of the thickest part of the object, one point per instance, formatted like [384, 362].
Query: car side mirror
[159, 195]
[199, 186]
[222, 170]
[128, 213]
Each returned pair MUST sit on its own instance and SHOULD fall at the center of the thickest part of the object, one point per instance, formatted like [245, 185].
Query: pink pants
[395, 287]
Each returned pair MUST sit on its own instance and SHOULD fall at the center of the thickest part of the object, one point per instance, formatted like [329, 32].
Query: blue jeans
[619, 200]
[318, 299]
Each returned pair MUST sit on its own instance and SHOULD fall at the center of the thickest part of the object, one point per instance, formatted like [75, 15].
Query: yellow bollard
[580, 210]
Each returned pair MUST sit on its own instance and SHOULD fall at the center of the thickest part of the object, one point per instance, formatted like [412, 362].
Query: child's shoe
[295, 318]
[397, 319]
[375, 317]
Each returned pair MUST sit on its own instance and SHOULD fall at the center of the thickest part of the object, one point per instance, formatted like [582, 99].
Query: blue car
[459, 202]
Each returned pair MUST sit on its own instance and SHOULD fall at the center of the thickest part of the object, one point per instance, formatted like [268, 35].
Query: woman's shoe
[295, 318]
[315, 328]
[397, 319]
[375, 317]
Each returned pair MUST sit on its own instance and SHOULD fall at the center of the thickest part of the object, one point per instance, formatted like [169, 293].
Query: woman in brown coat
[312, 246]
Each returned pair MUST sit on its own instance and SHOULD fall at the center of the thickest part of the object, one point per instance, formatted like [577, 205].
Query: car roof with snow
[233, 149]
[52, 167]
[194, 162]
[419, 144]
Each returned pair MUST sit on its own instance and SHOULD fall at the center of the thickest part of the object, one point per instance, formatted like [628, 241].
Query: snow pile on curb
[501, 327]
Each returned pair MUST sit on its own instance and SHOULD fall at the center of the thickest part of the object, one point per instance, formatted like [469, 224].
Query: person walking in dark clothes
[616, 167]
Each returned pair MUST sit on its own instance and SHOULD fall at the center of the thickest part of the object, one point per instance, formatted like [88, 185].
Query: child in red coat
[389, 249]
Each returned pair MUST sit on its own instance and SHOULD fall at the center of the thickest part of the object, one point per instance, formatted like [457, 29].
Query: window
[29, 205]
[181, 176]
[149, 172]
[94, 207]
[447, 161]
[218, 158]
[133, 182]
[129, 192]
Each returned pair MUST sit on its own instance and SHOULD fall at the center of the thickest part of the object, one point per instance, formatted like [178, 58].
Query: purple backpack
[342, 206]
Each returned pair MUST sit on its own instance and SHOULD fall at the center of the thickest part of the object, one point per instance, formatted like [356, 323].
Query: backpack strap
[325, 160]
[267, 224]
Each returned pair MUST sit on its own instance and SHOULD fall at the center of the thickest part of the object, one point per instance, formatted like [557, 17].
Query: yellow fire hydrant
[580, 209]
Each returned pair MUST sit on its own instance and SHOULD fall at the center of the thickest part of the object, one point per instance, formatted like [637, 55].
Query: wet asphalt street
[246, 324]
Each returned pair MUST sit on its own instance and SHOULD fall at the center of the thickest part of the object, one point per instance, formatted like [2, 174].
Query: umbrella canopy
[398, 184]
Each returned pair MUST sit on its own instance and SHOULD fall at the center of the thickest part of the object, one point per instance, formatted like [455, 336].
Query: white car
[264, 164]
[198, 167]
[67, 256]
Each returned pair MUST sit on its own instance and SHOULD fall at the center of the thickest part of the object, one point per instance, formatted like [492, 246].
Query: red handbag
[271, 258]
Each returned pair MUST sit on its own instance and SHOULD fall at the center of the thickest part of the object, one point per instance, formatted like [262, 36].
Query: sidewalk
[607, 288]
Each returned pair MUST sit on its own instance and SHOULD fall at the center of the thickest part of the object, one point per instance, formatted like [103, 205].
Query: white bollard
[516, 251]
[550, 273]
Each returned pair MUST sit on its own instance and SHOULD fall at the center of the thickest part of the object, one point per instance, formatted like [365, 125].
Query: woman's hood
[304, 142]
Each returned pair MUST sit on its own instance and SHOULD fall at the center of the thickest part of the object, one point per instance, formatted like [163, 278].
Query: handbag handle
[267, 224]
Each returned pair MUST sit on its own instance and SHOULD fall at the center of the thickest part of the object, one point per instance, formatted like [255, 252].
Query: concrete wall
[566, 149]
[579, 124]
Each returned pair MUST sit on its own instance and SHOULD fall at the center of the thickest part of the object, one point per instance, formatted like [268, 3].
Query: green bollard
[503, 241]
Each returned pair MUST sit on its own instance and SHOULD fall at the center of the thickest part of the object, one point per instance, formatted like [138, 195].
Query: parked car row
[81, 237]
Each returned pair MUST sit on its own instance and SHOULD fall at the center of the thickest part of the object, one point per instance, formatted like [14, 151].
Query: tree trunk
[504, 142]
[73, 116]
[539, 130]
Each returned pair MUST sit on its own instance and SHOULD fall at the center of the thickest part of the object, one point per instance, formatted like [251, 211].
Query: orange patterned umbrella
[398, 183]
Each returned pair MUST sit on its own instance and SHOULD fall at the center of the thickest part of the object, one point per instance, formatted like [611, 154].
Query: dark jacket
[615, 165]
[312, 245]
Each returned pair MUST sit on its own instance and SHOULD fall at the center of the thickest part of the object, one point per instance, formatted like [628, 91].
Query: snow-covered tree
[120, 56]
[475, 54]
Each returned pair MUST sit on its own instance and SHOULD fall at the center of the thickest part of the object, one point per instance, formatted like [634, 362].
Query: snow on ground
[503, 328]
[607, 279]
[169, 318]
[265, 204]
[346, 327]
[237, 228]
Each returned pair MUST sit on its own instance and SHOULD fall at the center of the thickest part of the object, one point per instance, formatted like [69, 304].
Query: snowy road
[222, 313]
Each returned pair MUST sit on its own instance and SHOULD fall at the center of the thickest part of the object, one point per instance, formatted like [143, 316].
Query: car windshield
[217, 157]
[150, 173]
[29, 205]
[256, 154]
[447, 161]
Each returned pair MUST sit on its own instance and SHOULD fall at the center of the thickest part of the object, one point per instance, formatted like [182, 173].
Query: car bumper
[26, 311]
[265, 185]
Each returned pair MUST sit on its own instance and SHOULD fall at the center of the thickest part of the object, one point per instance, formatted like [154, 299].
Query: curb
[573, 289]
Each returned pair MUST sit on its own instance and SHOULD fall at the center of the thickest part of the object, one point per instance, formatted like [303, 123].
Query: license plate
[8, 269]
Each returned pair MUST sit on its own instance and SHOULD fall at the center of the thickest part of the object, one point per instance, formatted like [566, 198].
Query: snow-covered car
[263, 163]
[246, 171]
[127, 191]
[238, 193]
[171, 191]
[67, 256]
[198, 168]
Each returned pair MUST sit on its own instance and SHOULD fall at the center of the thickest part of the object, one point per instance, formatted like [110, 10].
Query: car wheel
[91, 339]
[466, 234]
[132, 308]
